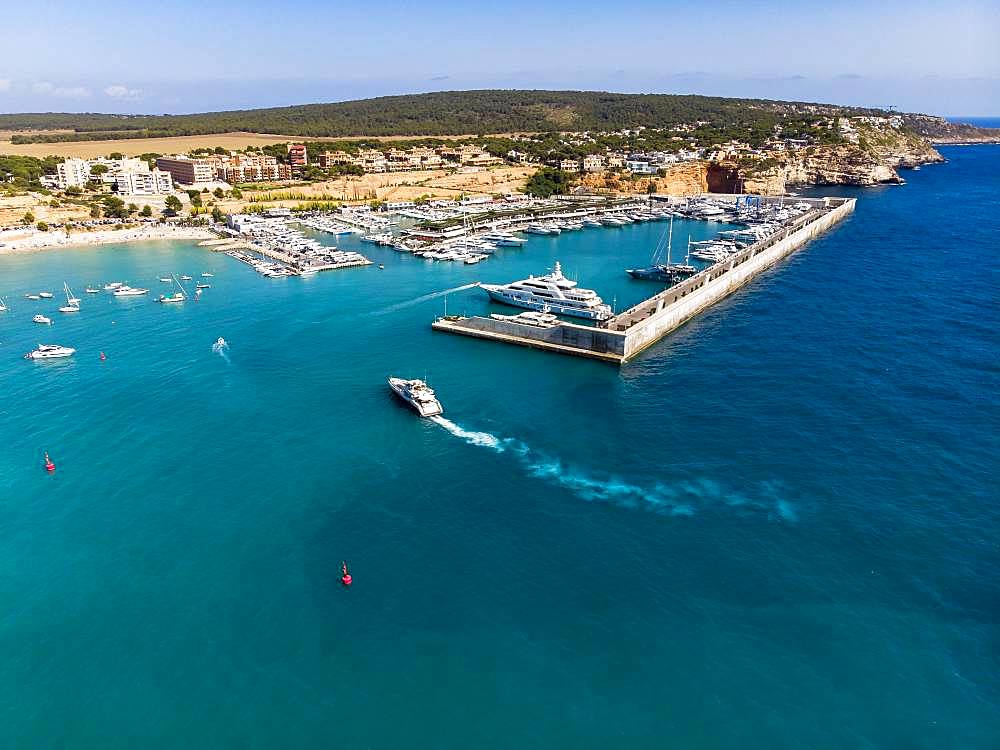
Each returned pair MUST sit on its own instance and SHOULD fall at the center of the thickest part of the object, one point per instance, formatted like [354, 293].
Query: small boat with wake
[418, 395]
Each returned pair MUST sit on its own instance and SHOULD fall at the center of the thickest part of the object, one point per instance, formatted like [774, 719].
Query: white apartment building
[139, 182]
[73, 173]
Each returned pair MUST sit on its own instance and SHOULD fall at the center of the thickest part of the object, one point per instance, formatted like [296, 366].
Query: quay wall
[609, 344]
[648, 322]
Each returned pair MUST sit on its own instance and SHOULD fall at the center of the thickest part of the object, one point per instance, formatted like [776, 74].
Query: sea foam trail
[484, 439]
[677, 498]
[423, 298]
[222, 349]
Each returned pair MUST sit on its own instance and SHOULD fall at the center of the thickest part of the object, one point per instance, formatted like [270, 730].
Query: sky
[195, 56]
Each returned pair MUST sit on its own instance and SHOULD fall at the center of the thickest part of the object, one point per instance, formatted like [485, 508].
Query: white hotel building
[150, 182]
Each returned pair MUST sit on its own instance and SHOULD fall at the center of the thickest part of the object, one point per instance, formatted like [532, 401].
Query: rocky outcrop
[941, 131]
[873, 160]
[687, 178]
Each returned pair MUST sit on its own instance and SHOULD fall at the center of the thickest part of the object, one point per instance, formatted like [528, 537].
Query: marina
[621, 337]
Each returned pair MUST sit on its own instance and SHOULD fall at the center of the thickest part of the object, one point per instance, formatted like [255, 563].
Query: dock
[627, 334]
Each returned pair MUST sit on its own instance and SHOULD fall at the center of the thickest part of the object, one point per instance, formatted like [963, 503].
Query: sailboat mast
[670, 239]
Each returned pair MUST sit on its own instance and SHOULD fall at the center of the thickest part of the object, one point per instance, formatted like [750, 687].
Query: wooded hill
[435, 114]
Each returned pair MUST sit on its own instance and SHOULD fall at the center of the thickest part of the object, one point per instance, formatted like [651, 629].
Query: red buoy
[346, 578]
[103, 357]
[49, 466]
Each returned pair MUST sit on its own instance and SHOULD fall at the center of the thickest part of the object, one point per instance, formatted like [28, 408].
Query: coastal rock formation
[873, 160]
[941, 131]
[687, 178]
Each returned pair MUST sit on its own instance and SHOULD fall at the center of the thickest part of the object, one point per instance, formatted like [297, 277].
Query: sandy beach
[31, 240]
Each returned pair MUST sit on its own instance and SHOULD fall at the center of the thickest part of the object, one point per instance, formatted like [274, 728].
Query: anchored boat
[552, 292]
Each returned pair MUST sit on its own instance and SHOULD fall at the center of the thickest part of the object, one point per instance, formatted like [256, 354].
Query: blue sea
[777, 528]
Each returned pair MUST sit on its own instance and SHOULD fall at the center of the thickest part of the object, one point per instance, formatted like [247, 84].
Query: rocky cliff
[688, 178]
[873, 159]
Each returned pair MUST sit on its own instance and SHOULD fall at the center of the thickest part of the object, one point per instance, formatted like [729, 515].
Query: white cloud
[117, 91]
[68, 92]
[4, 84]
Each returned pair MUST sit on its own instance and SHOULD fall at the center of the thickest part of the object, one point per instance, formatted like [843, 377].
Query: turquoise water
[775, 529]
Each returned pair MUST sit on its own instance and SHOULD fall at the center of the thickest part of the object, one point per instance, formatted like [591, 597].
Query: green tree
[172, 204]
[132, 208]
[195, 198]
[73, 190]
[217, 216]
[28, 219]
[146, 211]
[116, 155]
[42, 226]
[98, 169]
[218, 193]
[236, 193]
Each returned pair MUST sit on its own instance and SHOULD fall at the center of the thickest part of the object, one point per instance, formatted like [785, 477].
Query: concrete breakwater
[635, 329]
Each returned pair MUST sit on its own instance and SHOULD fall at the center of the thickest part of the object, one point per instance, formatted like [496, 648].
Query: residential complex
[127, 176]
[186, 170]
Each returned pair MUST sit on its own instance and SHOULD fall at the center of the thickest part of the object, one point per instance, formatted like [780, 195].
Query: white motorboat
[175, 297]
[32, 296]
[539, 319]
[112, 285]
[128, 291]
[207, 275]
[92, 290]
[203, 286]
[50, 351]
[42, 319]
[185, 278]
[552, 292]
[418, 395]
[165, 279]
[45, 295]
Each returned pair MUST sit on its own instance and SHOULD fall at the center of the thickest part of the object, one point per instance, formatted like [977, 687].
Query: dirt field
[399, 186]
[176, 145]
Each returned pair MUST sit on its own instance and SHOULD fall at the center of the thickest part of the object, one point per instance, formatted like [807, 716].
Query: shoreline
[14, 242]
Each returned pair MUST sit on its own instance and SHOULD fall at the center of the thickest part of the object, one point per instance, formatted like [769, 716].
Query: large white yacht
[50, 351]
[553, 293]
[418, 395]
[128, 291]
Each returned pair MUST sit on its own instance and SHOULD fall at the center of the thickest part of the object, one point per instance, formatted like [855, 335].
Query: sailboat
[668, 272]
[3, 305]
[176, 296]
[72, 303]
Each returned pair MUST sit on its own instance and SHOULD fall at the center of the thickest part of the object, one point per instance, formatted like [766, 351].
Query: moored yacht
[418, 395]
[42, 319]
[128, 291]
[552, 292]
[50, 351]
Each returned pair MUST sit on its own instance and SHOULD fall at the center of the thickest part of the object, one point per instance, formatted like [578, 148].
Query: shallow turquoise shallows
[777, 528]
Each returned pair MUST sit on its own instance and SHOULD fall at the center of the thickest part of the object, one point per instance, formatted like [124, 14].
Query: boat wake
[678, 498]
[221, 348]
[423, 298]
[483, 439]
